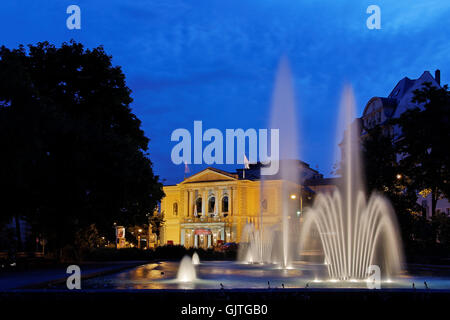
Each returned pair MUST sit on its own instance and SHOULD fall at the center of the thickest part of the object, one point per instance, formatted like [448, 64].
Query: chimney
[437, 76]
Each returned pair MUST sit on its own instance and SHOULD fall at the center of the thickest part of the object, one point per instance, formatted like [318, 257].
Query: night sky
[215, 61]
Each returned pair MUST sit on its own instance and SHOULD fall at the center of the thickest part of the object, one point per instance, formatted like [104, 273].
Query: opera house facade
[213, 206]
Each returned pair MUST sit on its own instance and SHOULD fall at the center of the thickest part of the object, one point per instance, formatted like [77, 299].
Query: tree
[156, 221]
[380, 163]
[73, 153]
[423, 142]
[384, 175]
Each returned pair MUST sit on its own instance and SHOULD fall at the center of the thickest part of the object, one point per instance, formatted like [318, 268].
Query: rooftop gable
[210, 174]
[405, 101]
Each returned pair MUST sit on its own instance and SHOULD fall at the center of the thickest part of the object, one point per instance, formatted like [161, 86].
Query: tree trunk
[18, 233]
[434, 196]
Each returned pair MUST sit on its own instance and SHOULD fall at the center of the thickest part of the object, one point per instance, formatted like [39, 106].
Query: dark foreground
[229, 304]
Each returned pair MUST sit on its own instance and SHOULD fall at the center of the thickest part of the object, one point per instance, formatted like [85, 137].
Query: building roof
[219, 176]
[400, 98]
[253, 173]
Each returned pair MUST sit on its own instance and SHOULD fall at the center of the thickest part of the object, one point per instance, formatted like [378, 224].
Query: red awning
[202, 231]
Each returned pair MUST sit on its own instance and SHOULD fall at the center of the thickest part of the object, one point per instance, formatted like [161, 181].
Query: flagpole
[186, 169]
[246, 166]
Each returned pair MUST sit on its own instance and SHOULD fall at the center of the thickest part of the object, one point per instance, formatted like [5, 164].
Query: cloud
[215, 60]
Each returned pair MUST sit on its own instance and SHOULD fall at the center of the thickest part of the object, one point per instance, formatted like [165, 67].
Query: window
[264, 204]
[211, 204]
[198, 205]
[175, 209]
[225, 204]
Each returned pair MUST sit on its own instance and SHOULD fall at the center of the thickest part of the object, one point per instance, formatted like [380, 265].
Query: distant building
[213, 206]
[381, 109]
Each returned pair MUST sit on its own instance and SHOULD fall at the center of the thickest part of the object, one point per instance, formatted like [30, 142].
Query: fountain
[258, 250]
[354, 233]
[195, 259]
[186, 270]
[269, 240]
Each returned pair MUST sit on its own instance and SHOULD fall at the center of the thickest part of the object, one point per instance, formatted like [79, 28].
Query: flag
[246, 163]
[186, 167]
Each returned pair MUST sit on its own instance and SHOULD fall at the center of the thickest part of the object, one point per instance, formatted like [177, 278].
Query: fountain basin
[211, 274]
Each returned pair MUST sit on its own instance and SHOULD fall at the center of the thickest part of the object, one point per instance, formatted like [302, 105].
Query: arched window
[175, 209]
[264, 204]
[211, 204]
[198, 204]
[225, 204]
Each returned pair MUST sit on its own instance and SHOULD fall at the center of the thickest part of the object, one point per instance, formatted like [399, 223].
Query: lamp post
[115, 233]
[139, 238]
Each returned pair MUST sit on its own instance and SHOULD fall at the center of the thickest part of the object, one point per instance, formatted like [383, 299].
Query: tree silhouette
[423, 142]
[73, 153]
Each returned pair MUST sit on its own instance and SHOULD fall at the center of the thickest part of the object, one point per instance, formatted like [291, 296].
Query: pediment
[210, 174]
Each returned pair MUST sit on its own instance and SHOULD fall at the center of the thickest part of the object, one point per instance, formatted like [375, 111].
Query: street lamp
[293, 196]
[139, 238]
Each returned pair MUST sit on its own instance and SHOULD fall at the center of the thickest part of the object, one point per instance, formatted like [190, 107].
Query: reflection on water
[210, 275]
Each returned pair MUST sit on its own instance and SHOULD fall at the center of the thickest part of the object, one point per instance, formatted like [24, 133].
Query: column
[196, 240]
[218, 208]
[230, 201]
[191, 203]
[204, 202]
[186, 203]
[209, 240]
[222, 234]
[182, 237]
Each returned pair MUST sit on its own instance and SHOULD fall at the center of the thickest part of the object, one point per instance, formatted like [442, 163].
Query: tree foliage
[383, 174]
[423, 142]
[73, 153]
[413, 162]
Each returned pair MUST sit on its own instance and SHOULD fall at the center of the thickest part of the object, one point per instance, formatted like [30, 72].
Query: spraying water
[186, 270]
[195, 258]
[354, 232]
[269, 240]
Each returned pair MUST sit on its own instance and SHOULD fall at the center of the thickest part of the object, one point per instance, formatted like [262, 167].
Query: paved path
[18, 279]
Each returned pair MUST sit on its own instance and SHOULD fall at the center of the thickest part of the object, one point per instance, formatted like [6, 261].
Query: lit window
[225, 204]
[198, 204]
[175, 209]
[211, 204]
[264, 204]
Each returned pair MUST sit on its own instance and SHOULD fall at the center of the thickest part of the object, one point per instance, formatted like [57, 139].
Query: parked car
[229, 246]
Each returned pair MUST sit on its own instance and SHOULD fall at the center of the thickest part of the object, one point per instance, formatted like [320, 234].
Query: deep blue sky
[215, 61]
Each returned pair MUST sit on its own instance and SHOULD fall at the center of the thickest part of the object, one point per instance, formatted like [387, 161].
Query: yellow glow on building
[213, 206]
